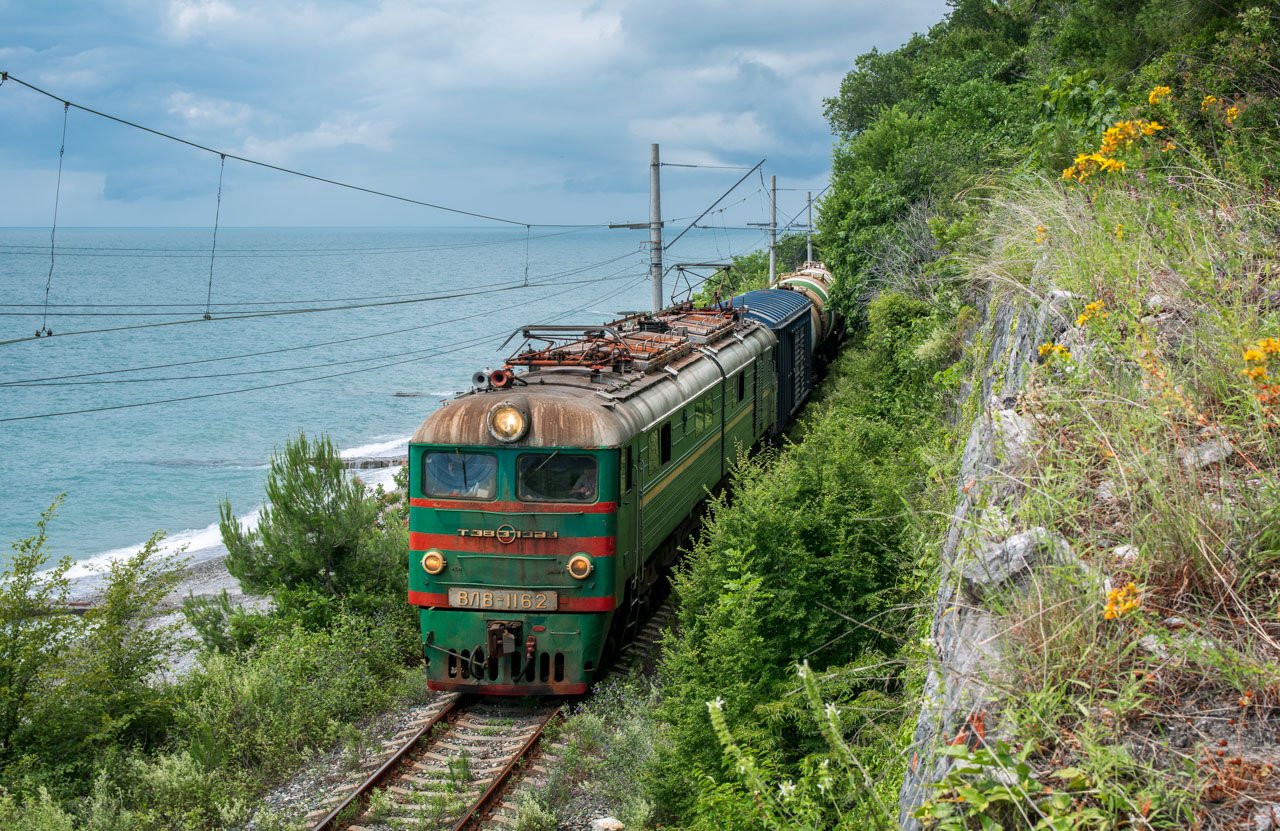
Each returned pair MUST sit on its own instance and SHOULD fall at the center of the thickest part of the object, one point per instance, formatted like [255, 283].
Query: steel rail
[500, 780]
[388, 767]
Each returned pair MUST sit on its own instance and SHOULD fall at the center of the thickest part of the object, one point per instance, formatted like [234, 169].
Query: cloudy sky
[540, 111]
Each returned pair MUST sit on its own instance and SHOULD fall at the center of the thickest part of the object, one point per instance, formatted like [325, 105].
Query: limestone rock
[1151, 644]
[1013, 434]
[1125, 554]
[606, 824]
[995, 566]
[1203, 455]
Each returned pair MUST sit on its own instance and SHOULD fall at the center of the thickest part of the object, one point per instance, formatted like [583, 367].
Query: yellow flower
[1270, 345]
[1254, 355]
[1051, 350]
[1170, 144]
[1041, 234]
[1122, 601]
[1095, 309]
[1232, 114]
[1119, 231]
[1154, 97]
[1151, 127]
[1209, 101]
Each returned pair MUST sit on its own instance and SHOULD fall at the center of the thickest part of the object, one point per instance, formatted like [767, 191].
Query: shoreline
[206, 574]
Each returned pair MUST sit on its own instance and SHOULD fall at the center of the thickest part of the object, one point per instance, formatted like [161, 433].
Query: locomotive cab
[512, 545]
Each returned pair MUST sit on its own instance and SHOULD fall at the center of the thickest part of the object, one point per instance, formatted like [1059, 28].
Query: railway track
[465, 761]
[636, 656]
[447, 773]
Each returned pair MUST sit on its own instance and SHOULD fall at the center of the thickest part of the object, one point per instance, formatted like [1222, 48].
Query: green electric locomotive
[545, 502]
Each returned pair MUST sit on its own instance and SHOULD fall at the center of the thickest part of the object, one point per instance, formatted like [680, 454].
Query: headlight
[507, 422]
[580, 567]
[433, 562]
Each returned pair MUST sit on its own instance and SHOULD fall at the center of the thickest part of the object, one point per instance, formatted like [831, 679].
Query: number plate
[505, 600]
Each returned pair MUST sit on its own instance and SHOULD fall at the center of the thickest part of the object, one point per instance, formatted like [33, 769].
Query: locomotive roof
[599, 386]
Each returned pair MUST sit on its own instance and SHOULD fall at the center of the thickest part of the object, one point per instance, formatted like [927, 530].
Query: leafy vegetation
[1156, 458]
[1004, 87]
[751, 271]
[318, 539]
[1119, 151]
[95, 735]
[811, 560]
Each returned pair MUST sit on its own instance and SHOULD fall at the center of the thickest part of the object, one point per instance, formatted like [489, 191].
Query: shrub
[255, 716]
[317, 538]
[814, 539]
[31, 602]
[107, 690]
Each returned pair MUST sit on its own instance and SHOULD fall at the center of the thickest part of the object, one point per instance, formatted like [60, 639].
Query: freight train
[546, 501]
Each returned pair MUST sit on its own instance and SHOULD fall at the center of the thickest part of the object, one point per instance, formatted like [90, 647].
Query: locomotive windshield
[460, 475]
[556, 478]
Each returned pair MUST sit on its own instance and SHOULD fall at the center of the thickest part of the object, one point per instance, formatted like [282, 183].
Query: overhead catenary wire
[713, 204]
[240, 313]
[219, 393]
[707, 166]
[279, 350]
[213, 250]
[322, 365]
[53, 232]
[21, 249]
[6, 76]
[310, 310]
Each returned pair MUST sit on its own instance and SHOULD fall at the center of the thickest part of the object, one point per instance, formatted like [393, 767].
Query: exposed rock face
[1206, 454]
[980, 558]
[998, 568]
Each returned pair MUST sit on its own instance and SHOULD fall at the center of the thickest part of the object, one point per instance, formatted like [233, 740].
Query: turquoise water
[131, 471]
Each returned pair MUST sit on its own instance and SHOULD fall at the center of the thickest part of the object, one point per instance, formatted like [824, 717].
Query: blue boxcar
[787, 315]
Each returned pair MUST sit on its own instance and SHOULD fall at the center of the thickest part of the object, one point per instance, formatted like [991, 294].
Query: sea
[140, 415]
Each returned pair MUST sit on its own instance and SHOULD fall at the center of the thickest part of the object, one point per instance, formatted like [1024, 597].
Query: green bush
[260, 714]
[318, 540]
[751, 271]
[817, 537]
[108, 693]
[30, 604]
[72, 688]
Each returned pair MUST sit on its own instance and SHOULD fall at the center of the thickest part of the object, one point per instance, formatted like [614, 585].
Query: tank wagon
[545, 502]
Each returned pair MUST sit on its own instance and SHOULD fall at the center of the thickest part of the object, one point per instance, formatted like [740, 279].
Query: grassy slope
[1152, 700]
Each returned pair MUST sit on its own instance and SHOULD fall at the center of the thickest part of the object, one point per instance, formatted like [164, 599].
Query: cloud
[189, 18]
[539, 109]
[140, 184]
[344, 131]
[201, 112]
[720, 131]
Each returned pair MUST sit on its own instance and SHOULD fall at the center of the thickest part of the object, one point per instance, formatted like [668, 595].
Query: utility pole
[655, 226]
[808, 237]
[773, 230]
